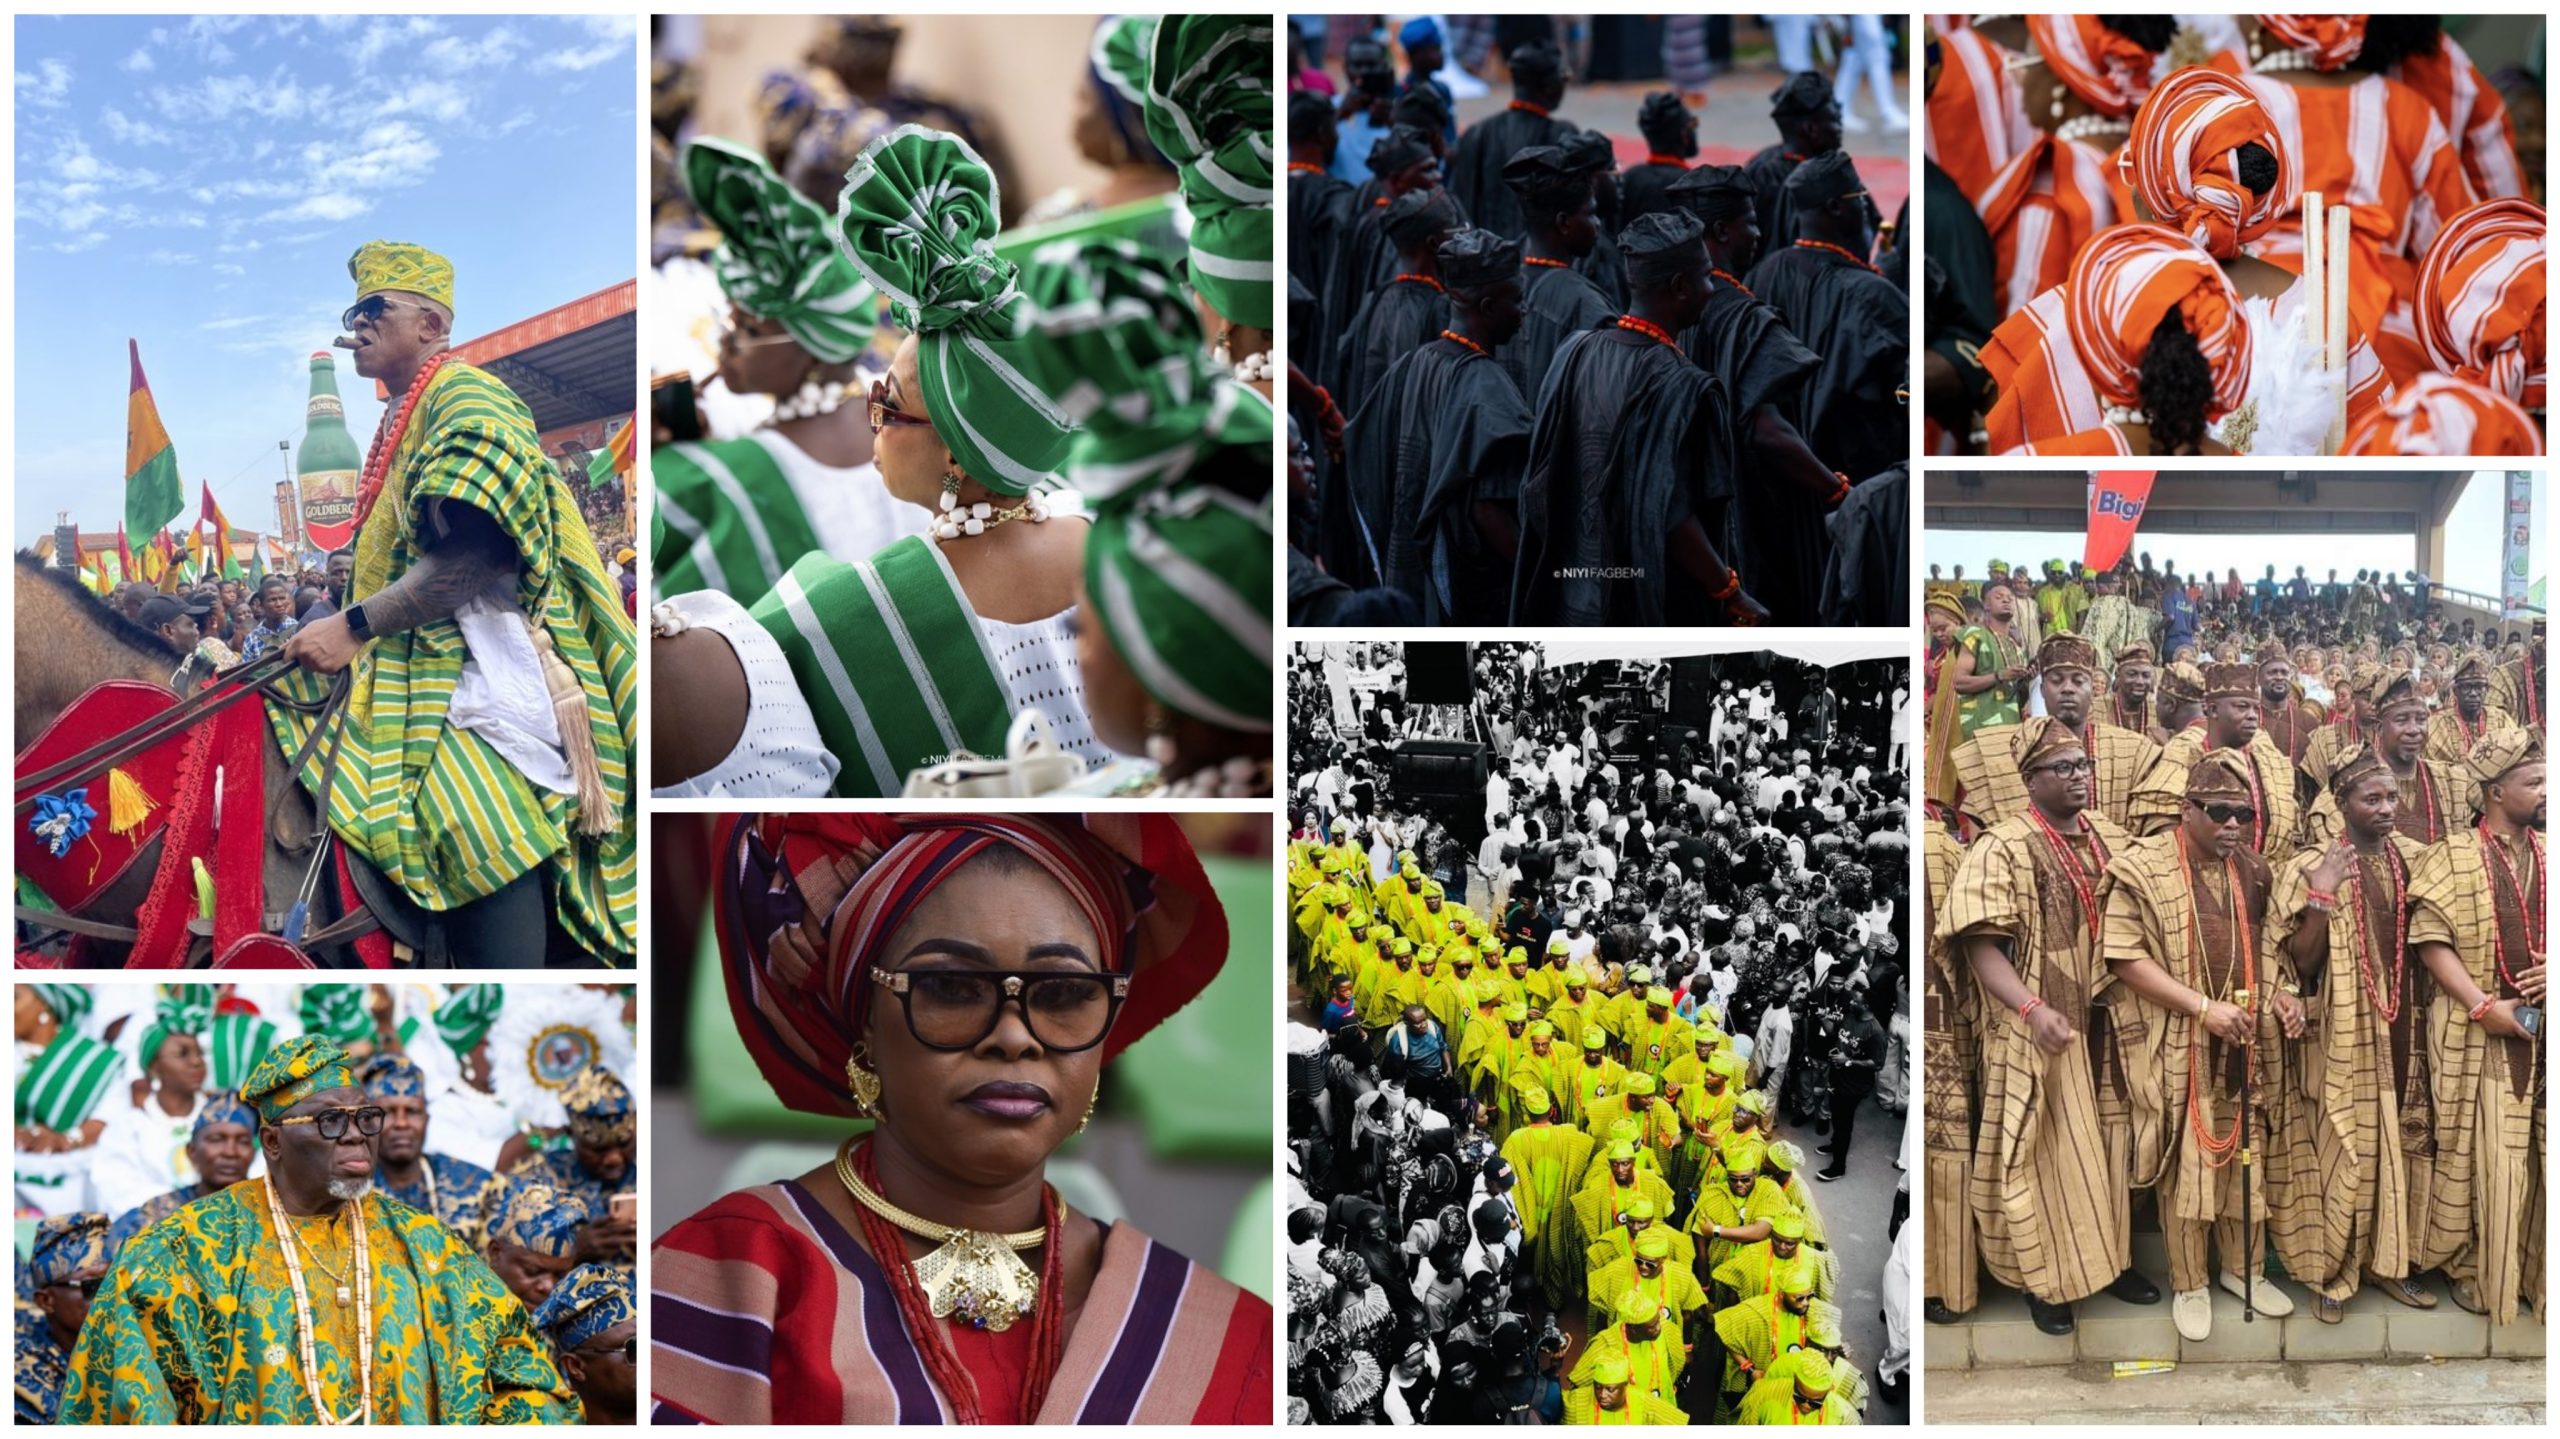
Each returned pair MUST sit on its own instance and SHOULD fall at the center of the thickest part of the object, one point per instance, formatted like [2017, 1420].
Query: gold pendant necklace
[975, 1277]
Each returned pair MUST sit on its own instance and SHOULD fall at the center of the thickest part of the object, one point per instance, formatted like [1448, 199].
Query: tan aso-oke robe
[2048, 1187]
[2351, 1184]
[2152, 911]
[2485, 1219]
[2435, 800]
[2160, 798]
[1995, 789]
[2449, 739]
[1950, 1058]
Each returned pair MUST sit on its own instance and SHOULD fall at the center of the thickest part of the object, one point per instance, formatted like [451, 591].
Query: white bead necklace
[2088, 125]
[812, 400]
[955, 521]
[2274, 61]
[304, 1325]
[1256, 366]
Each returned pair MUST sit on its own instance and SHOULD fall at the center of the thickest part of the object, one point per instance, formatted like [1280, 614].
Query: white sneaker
[1897, 120]
[2272, 1301]
[2192, 1310]
[1851, 124]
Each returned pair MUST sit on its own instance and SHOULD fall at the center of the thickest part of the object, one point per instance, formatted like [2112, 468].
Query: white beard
[350, 1188]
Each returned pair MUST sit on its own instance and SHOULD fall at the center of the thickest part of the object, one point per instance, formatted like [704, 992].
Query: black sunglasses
[954, 1009]
[332, 1123]
[629, 1349]
[372, 307]
[88, 1287]
[2226, 813]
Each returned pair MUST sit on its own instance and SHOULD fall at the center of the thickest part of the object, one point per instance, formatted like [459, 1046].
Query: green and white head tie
[336, 1010]
[465, 1018]
[1209, 111]
[237, 1045]
[776, 258]
[69, 1002]
[1121, 45]
[61, 1089]
[1121, 354]
[1181, 577]
[918, 218]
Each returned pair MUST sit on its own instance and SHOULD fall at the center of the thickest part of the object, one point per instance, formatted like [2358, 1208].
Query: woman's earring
[864, 1083]
[1160, 748]
[1089, 1103]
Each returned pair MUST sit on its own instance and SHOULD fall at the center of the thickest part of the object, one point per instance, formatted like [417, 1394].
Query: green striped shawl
[237, 1044]
[892, 662]
[1209, 110]
[1180, 578]
[438, 810]
[727, 519]
[62, 1088]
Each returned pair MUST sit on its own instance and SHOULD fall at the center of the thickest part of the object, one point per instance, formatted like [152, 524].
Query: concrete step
[1999, 1334]
[2292, 1393]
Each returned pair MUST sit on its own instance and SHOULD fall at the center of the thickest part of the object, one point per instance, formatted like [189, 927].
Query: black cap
[1663, 115]
[1421, 107]
[1309, 115]
[160, 609]
[1543, 179]
[1403, 148]
[1418, 215]
[1663, 244]
[1474, 259]
[1805, 94]
[1824, 178]
[1714, 192]
[1588, 152]
[1536, 62]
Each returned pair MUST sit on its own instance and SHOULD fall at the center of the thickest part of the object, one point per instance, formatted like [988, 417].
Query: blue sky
[198, 183]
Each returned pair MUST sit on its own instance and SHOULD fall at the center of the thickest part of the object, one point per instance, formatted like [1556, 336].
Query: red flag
[211, 514]
[124, 551]
[2116, 502]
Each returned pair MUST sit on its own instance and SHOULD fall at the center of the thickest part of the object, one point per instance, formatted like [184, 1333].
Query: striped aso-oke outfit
[766, 1309]
[2062, 362]
[1977, 118]
[2474, 115]
[2440, 415]
[2043, 206]
[2480, 299]
[2047, 1184]
[1208, 109]
[2377, 147]
[1950, 1070]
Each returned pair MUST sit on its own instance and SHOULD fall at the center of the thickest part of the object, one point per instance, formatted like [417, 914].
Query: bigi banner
[2116, 501]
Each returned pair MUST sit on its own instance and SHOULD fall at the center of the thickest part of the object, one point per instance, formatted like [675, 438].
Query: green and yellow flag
[152, 496]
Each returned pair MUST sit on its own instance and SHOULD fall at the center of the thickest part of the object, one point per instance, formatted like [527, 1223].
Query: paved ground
[2457, 1391]
[1856, 1208]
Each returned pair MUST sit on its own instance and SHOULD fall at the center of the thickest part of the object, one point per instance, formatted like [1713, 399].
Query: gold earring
[864, 1083]
[1090, 1102]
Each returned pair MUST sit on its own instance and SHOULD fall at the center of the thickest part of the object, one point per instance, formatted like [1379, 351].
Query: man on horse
[486, 767]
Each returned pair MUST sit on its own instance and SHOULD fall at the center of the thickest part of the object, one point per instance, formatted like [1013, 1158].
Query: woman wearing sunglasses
[960, 981]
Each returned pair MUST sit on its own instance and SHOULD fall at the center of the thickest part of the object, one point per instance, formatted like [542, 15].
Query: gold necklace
[322, 1260]
[975, 1275]
[304, 1326]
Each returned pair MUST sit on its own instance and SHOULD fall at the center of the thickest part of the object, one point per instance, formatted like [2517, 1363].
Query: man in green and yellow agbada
[487, 768]
[200, 1323]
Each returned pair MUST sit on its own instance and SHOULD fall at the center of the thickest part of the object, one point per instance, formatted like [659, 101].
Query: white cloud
[89, 241]
[232, 322]
[454, 54]
[388, 155]
[327, 205]
[613, 37]
[381, 36]
[134, 132]
[435, 99]
[138, 62]
[227, 268]
[46, 89]
[170, 257]
[278, 96]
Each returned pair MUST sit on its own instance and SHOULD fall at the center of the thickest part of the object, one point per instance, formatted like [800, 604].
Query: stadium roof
[575, 362]
[2299, 504]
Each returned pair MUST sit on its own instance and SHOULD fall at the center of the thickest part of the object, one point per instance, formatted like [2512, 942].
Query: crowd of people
[1556, 1054]
[2117, 252]
[1033, 445]
[458, 1164]
[2262, 864]
[1529, 386]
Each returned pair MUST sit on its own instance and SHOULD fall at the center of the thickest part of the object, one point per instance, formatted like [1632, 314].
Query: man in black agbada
[1367, 260]
[1320, 214]
[1475, 170]
[1410, 307]
[1590, 153]
[1626, 511]
[1808, 117]
[1764, 368]
[1851, 316]
[1557, 300]
[1437, 452]
[1670, 133]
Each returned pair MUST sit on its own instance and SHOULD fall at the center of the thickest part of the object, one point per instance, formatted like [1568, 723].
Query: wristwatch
[356, 623]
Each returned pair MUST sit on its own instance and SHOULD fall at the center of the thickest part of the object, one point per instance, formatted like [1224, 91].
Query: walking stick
[2248, 1162]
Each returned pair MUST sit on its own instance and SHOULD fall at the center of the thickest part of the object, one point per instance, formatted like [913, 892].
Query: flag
[613, 459]
[124, 554]
[2116, 500]
[152, 494]
[211, 514]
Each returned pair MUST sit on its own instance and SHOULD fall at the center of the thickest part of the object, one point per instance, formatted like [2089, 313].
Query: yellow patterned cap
[391, 265]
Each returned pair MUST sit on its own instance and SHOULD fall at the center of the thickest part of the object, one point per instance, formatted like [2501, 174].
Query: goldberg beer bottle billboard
[328, 465]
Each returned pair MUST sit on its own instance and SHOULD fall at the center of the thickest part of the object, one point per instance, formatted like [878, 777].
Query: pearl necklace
[981, 517]
[1238, 778]
[2087, 125]
[810, 401]
[1253, 367]
[2125, 415]
[303, 1325]
[2270, 63]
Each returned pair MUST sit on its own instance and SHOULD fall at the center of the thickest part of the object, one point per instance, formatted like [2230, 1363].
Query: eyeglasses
[954, 1009]
[629, 1349]
[88, 1287]
[372, 308]
[2226, 813]
[2065, 768]
[332, 1123]
[884, 414]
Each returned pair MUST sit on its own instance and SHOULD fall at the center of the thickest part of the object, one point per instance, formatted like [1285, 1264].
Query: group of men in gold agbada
[1653, 1192]
[2270, 977]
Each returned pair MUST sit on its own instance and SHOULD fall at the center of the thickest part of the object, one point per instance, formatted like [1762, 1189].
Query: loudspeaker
[1693, 689]
[1436, 769]
[1436, 673]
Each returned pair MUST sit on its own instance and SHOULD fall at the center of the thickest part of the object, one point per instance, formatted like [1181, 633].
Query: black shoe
[1937, 1312]
[2132, 1288]
[1827, 1175]
[2050, 1318]
[1822, 1149]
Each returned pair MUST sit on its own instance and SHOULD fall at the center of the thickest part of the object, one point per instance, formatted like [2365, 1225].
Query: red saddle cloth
[100, 858]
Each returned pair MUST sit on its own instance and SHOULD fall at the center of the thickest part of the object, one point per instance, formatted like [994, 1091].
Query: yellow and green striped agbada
[196, 1326]
[435, 807]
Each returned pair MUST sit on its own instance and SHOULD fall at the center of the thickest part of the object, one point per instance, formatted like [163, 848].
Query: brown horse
[69, 640]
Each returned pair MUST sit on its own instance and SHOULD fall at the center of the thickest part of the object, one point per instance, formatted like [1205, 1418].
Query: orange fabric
[2439, 415]
[2182, 160]
[1977, 118]
[2480, 299]
[2042, 209]
[2474, 115]
[2332, 40]
[2104, 440]
[2102, 67]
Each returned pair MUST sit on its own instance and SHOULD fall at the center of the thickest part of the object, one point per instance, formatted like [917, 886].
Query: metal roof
[572, 363]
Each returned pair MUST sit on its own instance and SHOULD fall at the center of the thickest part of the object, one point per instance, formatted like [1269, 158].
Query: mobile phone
[626, 1208]
[673, 409]
[2529, 1019]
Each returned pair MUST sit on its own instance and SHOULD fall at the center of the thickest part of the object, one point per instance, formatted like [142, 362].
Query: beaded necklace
[303, 1325]
[1301, 167]
[1538, 110]
[1674, 161]
[2081, 884]
[2244, 953]
[1544, 262]
[1647, 327]
[1463, 340]
[1422, 280]
[2505, 868]
[1729, 278]
[2368, 968]
[387, 438]
[1838, 250]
